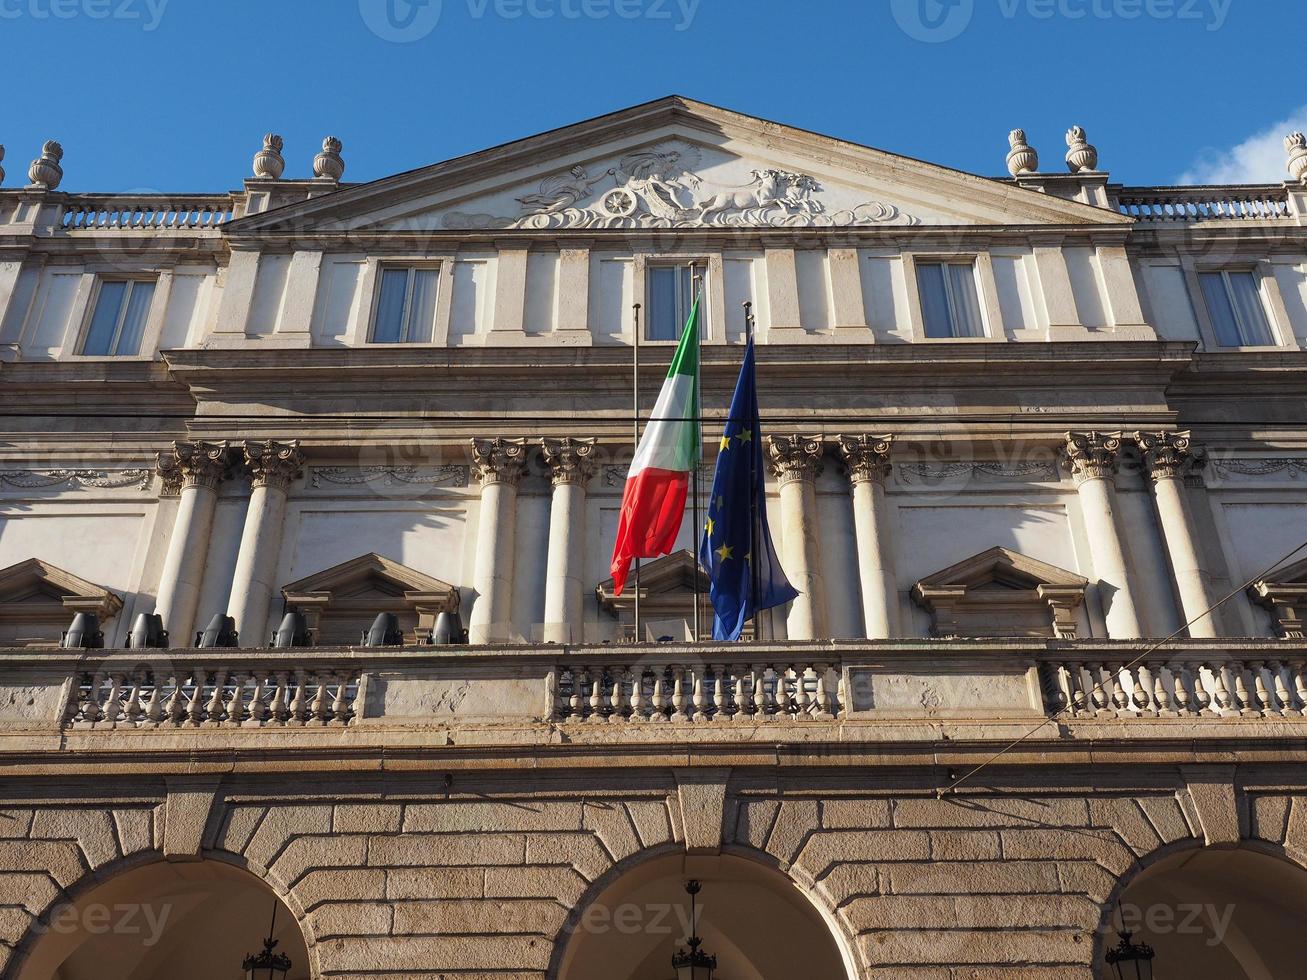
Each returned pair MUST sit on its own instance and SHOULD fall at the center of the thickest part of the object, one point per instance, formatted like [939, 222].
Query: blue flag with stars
[737, 550]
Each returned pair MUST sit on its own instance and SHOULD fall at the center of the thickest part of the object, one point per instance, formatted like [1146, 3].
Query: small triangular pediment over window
[1001, 592]
[38, 601]
[340, 602]
[1284, 594]
[666, 598]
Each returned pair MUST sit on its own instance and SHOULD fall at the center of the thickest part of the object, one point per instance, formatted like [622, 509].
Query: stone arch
[1227, 910]
[640, 908]
[143, 917]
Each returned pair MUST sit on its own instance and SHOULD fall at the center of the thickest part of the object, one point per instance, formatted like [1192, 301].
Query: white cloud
[1260, 159]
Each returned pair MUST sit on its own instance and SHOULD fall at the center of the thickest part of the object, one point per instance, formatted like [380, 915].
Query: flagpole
[755, 515]
[698, 444]
[635, 437]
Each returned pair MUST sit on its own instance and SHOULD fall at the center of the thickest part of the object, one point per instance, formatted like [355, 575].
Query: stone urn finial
[1081, 156]
[268, 162]
[1022, 158]
[329, 163]
[1296, 145]
[45, 172]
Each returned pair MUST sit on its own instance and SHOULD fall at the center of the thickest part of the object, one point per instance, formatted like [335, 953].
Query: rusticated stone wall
[482, 877]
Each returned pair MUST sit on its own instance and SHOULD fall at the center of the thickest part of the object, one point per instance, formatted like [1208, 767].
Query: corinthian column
[572, 464]
[796, 461]
[196, 468]
[1168, 457]
[1092, 458]
[867, 458]
[272, 465]
[499, 465]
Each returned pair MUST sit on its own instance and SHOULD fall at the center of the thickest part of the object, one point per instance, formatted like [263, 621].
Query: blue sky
[174, 95]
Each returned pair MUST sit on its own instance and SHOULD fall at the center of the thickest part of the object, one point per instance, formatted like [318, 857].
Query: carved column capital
[792, 458]
[193, 464]
[867, 457]
[499, 460]
[273, 464]
[1091, 455]
[570, 460]
[1168, 455]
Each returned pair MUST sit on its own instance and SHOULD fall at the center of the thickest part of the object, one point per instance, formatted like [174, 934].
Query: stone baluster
[757, 693]
[356, 708]
[575, 703]
[195, 470]
[299, 705]
[618, 700]
[1099, 695]
[155, 706]
[1180, 680]
[825, 709]
[679, 701]
[1076, 698]
[796, 462]
[1242, 699]
[273, 466]
[867, 460]
[280, 698]
[340, 706]
[639, 707]
[1299, 670]
[1221, 695]
[1264, 700]
[699, 699]
[1139, 697]
[1092, 459]
[214, 708]
[572, 464]
[660, 703]
[258, 698]
[774, 696]
[1169, 457]
[740, 701]
[321, 703]
[113, 699]
[1162, 701]
[1201, 697]
[595, 678]
[499, 465]
[1120, 699]
[236, 712]
[133, 709]
[720, 685]
[1282, 695]
[175, 712]
[802, 696]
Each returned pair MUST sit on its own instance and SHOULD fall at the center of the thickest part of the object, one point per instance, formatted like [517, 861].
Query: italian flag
[653, 503]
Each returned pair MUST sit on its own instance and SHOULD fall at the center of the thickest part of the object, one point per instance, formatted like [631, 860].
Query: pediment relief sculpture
[1285, 599]
[1001, 592]
[340, 603]
[38, 600]
[661, 187]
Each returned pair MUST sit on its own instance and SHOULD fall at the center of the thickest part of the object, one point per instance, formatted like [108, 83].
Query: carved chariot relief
[661, 187]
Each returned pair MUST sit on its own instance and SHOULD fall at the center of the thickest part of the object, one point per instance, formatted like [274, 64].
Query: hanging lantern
[693, 963]
[267, 965]
[1131, 961]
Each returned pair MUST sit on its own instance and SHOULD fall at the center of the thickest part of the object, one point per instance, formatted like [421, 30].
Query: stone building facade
[1037, 449]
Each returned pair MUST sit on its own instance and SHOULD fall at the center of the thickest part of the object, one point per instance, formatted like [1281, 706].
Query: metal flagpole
[635, 439]
[698, 448]
[755, 514]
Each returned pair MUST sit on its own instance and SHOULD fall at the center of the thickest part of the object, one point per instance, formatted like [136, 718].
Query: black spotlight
[83, 634]
[293, 632]
[148, 632]
[449, 630]
[384, 632]
[221, 632]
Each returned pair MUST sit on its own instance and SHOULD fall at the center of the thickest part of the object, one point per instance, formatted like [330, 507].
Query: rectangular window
[950, 305]
[121, 308]
[671, 295]
[1234, 303]
[406, 306]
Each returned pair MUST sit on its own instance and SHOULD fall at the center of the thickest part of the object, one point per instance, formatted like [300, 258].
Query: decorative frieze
[1037, 470]
[1092, 455]
[499, 460]
[1168, 455]
[570, 460]
[70, 479]
[867, 457]
[274, 464]
[450, 475]
[193, 464]
[792, 458]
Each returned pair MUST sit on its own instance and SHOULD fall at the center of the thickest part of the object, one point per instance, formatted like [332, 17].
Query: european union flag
[737, 550]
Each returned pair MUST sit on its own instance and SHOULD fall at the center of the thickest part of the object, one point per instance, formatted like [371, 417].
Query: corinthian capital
[499, 460]
[570, 460]
[193, 464]
[1168, 455]
[1091, 455]
[273, 464]
[867, 457]
[793, 458]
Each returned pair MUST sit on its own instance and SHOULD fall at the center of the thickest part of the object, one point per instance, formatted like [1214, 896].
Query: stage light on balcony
[384, 632]
[293, 632]
[83, 633]
[148, 633]
[221, 632]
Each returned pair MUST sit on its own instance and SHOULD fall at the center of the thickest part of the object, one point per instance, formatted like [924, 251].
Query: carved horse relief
[659, 188]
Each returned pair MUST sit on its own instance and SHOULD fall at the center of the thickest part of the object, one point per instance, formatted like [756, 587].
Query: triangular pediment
[666, 577]
[675, 163]
[1001, 570]
[1291, 575]
[38, 582]
[365, 578]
